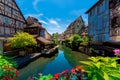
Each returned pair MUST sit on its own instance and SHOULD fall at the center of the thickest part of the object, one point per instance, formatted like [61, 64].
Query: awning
[43, 40]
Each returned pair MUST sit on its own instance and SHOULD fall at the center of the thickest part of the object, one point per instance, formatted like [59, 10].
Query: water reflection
[35, 67]
[58, 65]
[74, 57]
[65, 59]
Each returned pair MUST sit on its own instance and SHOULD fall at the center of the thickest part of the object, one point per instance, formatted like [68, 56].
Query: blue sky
[55, 15]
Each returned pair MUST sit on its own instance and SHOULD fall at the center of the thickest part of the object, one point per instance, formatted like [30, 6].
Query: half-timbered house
[11, 20]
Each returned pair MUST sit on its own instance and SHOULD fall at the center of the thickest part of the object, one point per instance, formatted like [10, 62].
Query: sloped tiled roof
[44, 41]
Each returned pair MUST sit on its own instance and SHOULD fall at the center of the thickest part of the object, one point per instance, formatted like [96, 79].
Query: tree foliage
[21, 40]
[54, 38]
[75, 41]
[85, 40]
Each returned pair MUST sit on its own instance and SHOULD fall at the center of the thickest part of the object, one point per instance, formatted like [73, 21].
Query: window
[98, 9]
[1, 19]
[100, 22]
[14, 12]
[7, 30]
[1, 30]
[7, 20]
[7, 9]
[90, 13]
[114, 22]
[12, 30]
[118, 0]
[9, 0]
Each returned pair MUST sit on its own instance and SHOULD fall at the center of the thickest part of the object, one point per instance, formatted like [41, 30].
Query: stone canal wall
[23, 61]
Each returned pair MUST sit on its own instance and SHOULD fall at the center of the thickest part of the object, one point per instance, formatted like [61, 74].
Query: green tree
[75, 41]
[54, 38]
[21, 40]
[85, 40]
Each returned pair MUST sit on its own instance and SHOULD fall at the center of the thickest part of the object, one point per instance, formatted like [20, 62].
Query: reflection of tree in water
[35, 67]
[73, 57]
[69, 56]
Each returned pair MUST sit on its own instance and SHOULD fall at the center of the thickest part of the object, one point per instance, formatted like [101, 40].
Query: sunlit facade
[11, 20]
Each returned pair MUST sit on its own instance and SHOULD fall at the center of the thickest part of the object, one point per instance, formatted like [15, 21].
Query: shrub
[7, 69]
[21, 40]
[75, 41]
[100, 68]
[84, 40]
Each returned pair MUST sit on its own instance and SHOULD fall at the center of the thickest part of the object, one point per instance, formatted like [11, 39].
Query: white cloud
[35, 2]
[51, 24]
[52, 29]
[43, 22]
[54, 22]
[55, 25]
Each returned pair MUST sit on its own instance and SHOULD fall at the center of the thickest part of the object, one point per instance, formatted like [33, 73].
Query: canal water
[64, 59]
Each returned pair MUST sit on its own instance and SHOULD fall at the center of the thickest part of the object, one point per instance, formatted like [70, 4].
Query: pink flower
[117, 52]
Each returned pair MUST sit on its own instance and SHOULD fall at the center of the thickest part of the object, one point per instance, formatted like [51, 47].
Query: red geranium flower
[5, 78]
[17, 72]
[65, 71]
[73, 70]
[10, 79]
[57, 75]
[52, 79]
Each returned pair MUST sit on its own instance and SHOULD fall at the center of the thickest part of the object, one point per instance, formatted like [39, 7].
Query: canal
[64, 59]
